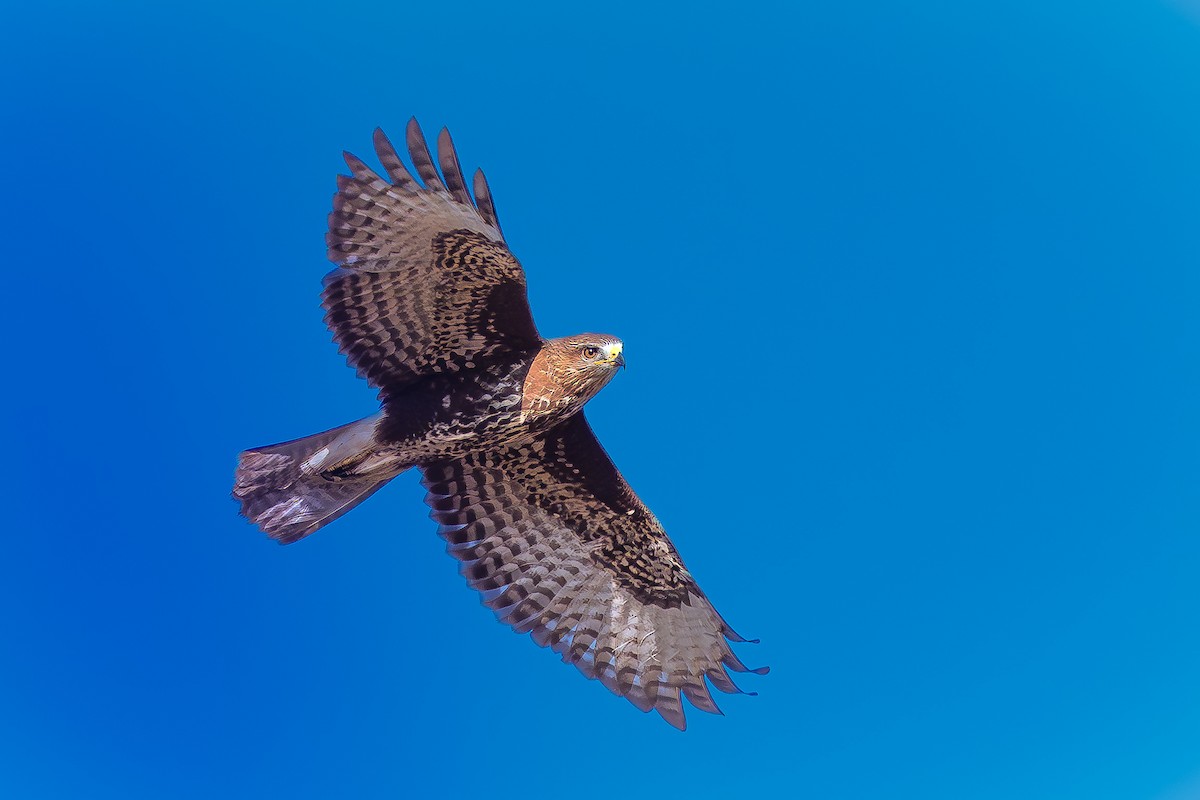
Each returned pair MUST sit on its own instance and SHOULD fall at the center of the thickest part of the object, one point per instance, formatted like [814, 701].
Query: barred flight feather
[539, 571]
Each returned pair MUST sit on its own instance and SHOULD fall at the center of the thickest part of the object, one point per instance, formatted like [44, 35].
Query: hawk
[429, 306]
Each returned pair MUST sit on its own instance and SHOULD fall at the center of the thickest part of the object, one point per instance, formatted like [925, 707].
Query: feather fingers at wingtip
[732, 662]
[483, 200]
[721, 680]
[669, 706]
[418, 151]
[451, 169]
[391, 161]
[698, 696]
[362, 172]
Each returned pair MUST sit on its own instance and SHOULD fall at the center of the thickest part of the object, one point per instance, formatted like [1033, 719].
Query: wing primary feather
[391, 161]
[483, 200]
[359, 169]
[733, 635]
[669, 707]
[697, 695]
[721, 680]
[451, 169]
[636, 694]
[734, 663]
[418, 150]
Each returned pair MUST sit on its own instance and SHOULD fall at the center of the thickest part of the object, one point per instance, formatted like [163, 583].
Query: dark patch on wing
[485, 284]
[566, 473]
[506, 311]
[575, 458]
[583, 486]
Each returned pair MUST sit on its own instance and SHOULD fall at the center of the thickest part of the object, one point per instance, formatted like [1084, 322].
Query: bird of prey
[428, 304]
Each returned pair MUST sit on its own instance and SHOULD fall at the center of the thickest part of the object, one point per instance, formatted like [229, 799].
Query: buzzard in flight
[429, 305]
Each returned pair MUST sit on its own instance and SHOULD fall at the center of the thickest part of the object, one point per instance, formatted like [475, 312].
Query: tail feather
[291, 489]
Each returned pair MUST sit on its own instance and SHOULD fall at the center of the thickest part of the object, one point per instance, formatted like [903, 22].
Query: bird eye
[591, 352]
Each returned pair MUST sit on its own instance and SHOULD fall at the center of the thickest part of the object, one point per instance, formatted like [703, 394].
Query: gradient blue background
[926, 276]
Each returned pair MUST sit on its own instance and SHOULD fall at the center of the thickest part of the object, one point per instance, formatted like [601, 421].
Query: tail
[291, 489]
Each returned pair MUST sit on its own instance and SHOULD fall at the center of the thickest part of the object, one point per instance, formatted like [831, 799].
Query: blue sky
[909, 295]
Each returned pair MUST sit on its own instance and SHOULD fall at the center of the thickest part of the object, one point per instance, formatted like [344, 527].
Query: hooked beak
[619, 361]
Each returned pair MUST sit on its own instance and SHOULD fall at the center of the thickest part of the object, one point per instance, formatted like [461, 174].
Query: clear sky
[910, 297]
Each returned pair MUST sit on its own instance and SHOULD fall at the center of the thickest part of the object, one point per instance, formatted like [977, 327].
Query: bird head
[584, 363]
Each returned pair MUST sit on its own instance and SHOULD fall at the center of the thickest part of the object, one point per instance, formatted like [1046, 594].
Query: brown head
[569, 371]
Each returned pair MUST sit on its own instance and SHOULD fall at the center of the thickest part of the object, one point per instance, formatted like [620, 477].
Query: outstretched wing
[425, 283]
[560, 547]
